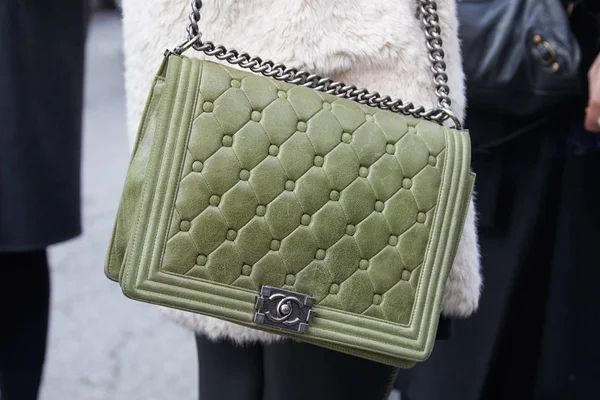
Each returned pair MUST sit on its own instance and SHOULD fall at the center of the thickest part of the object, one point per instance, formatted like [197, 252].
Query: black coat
[535, 334]
[41, 85]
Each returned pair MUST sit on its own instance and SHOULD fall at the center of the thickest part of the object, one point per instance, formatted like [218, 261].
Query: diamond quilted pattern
[313, 190]
[224, 264]
[296, 260]
[268, 180]
[296, 156]
[208, 230]
[380, 273]
[350, 115]
[305, 104]
[259, 94]
[279, 121]
[384, 179]
[372, 235]
[412, 154]
[222, 171]
[232, 110]
[251, 145]
[369, 143]
[324, 132]
[181, 260]
[238, 205]
[287, 204]
[358, 201]
[253, 240]
[188, 210]
[210, 137]
[411, 246]
[287, 187]
[341, 166]
[342, 259]
[356, 293]
[269, 269]
[328, 224]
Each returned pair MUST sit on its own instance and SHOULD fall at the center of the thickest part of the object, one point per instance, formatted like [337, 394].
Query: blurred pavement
[103, 346]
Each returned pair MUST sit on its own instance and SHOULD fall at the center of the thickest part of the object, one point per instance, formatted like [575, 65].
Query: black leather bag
[520, 56]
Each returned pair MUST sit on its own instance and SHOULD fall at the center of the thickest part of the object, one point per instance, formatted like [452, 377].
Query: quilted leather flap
[240, 181]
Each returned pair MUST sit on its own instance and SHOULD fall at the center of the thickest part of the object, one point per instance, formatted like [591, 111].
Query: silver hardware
[427, 11]
[433, 33]
[284, 309]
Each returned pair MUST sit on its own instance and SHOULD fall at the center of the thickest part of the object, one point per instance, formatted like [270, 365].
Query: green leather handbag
[294, 204]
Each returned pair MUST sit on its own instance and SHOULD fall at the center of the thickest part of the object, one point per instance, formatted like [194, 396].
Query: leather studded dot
[318, 161]
[301, 126]
[377, 299]
[227, 141]
[421, 217]
[334, 288]
[235, 83]
[214, 200]
[290, 279]
[405, 275]
[244, 174]
[346, 137]
[320, 255]
[208, 106]
[363, 264]
[363, 172]
[379, 206]
[282, 95]
[305, 220]
[390, 148]
[275, 244]
[326, 106]
[369, 118]
[273, 150]
[197, 166]
[350, 230]
[231, 235]
[432, 161]
[185, 226]
[201, 260]
[412, 129]
[261, 210]
[290, 185]
[406, 183]
[256, 116]
[393, 240]
[334, 195]
[246, 270]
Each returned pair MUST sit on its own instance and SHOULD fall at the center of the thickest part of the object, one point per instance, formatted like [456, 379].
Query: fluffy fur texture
[378, 45]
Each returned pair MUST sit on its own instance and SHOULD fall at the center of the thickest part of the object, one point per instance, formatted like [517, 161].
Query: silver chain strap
[427, 12]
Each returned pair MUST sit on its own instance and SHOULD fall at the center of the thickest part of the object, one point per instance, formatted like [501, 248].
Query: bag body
[290, 210]
[520, 56]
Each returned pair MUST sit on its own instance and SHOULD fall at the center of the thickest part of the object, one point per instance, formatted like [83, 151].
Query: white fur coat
[379, 45]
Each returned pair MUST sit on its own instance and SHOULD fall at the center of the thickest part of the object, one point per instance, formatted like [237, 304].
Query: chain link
[427, 11]
[430, 20]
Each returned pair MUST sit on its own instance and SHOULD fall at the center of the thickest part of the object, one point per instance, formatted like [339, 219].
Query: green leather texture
[239, 181]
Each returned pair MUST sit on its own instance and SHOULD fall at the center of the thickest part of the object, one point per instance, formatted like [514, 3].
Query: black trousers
[24, 300]
[287, 371]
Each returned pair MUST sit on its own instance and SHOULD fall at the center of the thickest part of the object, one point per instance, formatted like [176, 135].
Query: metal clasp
[454, 118]
[284, 309]
[179, 50]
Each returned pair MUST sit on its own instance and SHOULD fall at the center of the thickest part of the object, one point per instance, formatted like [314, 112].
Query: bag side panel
[129, 204]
